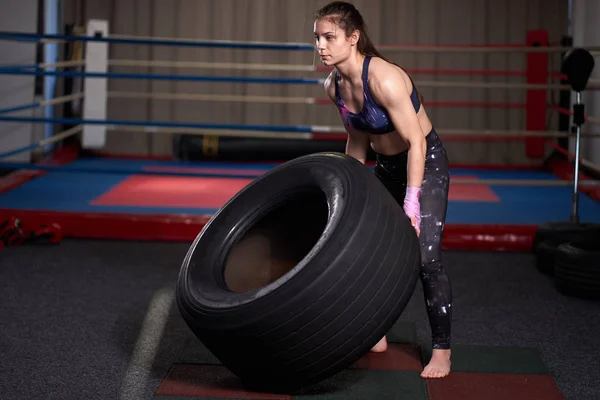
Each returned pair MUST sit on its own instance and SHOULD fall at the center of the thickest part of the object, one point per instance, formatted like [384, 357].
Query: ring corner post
[95, 89]
[51, 22]
[537, 74]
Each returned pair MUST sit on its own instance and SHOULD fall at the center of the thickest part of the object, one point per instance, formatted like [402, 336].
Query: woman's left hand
[412, 207]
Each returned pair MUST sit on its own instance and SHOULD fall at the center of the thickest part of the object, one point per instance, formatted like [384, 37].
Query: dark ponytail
[346, 16]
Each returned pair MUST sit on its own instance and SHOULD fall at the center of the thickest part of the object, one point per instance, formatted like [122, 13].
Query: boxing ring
[76, 186]
[91, 193]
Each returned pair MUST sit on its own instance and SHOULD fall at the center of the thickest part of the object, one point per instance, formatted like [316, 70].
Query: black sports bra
[372, 118]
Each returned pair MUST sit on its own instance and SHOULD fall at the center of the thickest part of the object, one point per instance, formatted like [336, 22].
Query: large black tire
[577, 269]
[354, 260]
[563, 232]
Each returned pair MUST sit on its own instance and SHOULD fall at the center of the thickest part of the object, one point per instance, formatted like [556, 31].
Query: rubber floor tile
[398, 357]
[403, 332]
[494, 359]
[194, 352]
[206, 382]
[200, 398]
[354, 384]
[485, 386]
[171, 191]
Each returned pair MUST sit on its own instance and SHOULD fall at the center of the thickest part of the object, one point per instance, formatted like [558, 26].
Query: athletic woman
[381, 108]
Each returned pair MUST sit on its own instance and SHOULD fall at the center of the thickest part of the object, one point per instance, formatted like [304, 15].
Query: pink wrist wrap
[412, 207]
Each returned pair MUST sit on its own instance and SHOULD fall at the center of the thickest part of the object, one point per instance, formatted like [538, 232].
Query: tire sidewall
[343, 181]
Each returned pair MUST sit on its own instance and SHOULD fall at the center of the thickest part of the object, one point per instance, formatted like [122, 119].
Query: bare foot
[381, 346]
[439, 365]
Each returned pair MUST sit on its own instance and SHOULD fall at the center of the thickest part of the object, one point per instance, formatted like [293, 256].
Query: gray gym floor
[97, 319]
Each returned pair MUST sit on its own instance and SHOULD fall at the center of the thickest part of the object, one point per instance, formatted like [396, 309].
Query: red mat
[486, 386]
[191, 192]
[471, 192]
[398, 357]
[171, 191]
[208, 381]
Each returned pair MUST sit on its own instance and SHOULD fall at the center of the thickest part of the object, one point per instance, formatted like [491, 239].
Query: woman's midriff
[392, 143]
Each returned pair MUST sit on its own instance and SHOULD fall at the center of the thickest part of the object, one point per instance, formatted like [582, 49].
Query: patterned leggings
[392, 172]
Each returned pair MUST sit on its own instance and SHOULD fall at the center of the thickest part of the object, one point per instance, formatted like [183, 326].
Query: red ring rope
[433, 71]
[454, 46]
[476, 72]
[564, 111]
[340, 136]
[563, 169]
[472, 104]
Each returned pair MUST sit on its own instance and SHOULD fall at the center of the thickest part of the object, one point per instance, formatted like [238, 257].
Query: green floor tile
[403, 332]
[194, 352]
[493, 359]
[368, 385]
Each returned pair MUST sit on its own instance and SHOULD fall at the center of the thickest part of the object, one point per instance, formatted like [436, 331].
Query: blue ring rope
[18, 150]
[162, 124]
[19, 108]
[81, 169]
[197, 78]
[33, 37]
[11, 67]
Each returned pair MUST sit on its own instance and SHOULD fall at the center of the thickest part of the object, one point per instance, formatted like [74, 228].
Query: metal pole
[578, 119]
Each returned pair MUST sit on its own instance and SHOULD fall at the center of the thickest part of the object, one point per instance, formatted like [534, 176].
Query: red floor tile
[398, 357]
[486, 386]
[171, 191]
[471, 192]
[199, 192]
[212, 381]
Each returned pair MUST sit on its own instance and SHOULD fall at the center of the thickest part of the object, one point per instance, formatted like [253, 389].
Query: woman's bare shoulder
[382, 70]
[329, 85]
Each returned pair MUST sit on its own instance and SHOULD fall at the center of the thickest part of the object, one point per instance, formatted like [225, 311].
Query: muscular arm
[392, 92]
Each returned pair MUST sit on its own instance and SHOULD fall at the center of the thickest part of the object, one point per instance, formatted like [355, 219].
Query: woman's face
[332, 44]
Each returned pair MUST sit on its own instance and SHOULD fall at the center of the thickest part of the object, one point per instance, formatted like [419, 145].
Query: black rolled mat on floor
[192, 147]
